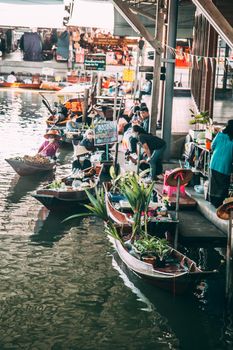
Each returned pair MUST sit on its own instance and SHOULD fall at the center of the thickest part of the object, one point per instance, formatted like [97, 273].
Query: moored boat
[67, 197]
[20, 85]
[24, 167]
[177, 276]
[158, 225]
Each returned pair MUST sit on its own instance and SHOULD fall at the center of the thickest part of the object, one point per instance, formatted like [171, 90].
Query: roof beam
[138, 11]
[216, 19]
[136, 24]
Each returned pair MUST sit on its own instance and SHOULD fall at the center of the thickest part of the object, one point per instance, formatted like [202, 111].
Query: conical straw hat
[223, 212]
[184, 174]
[80, 150]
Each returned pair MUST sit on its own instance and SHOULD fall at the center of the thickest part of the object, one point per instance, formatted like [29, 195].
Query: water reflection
[50, 228]
[21, 186]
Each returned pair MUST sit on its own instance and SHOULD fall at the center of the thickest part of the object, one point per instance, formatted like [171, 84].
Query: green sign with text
[95, 62]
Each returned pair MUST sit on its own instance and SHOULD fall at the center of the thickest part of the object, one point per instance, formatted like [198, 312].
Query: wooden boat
[68, 199]
[20, 85]
[24, 168]
[74, 105]
[157, 226]
[177, 276]
[51, 86]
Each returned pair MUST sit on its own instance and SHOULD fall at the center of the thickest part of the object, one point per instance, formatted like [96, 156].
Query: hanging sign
[106, 133]
[128, 75]
[95, 62]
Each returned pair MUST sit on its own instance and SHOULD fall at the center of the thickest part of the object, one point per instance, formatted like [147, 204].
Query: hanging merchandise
[128, 75]
[32, 47]
[62, 53]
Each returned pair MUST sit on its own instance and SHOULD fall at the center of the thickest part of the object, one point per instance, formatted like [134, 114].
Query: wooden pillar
[157, 67]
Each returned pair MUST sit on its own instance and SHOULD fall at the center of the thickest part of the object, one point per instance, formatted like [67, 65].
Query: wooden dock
[185, 201]
[195, 229]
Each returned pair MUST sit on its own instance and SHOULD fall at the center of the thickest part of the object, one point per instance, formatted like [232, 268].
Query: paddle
[48, 107]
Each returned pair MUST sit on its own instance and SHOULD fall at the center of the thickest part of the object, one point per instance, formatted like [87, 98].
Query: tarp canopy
[19, 14]
[95, 14]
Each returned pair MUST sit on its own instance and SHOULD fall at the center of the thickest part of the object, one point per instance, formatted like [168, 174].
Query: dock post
[177, 211]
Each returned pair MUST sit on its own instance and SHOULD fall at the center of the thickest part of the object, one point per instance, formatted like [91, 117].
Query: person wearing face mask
[88, 140]
[82, 160]
[50, 146]
[153, 148]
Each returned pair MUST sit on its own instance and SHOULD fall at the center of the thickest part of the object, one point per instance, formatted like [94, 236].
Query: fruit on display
[38, 159]
[55, 185]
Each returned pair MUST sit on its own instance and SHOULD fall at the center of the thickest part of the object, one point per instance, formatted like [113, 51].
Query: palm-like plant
[138, 195]
[98, 209]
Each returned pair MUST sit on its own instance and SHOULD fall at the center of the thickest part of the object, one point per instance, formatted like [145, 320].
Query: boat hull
[20, 85]
[54, 203]
[24, 169]
[177, 282]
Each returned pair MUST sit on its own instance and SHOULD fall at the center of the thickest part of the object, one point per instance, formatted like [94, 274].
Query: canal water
[61, 284]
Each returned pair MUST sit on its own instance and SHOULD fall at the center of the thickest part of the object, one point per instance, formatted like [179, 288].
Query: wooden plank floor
[194, 228]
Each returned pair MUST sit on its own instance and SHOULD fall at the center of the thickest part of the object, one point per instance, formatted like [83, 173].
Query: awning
[42, 16]
[93, 14]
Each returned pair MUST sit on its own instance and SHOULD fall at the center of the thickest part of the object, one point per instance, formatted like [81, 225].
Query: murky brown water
[61, 285]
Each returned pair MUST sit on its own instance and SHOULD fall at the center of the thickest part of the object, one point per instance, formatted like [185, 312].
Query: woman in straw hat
[81, 162]
[221, 165]
[50, 146]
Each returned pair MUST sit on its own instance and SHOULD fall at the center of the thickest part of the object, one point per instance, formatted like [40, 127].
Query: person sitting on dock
[153, 148]
[50, 146]
[11, 78]
[88, 140]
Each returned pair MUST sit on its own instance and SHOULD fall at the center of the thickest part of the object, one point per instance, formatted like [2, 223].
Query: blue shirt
[222, 157]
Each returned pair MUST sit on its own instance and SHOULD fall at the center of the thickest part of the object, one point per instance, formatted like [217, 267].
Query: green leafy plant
[200, 118]
[138, 195]
[55, 185]
[153, 246]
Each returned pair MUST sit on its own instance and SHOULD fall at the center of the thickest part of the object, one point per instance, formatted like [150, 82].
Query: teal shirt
[222, 157]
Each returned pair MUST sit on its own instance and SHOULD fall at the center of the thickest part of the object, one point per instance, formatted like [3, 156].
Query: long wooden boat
[24, 168]
[157, 225]
[177, 276]
[20, 85]
[69, 199]
[74, 105]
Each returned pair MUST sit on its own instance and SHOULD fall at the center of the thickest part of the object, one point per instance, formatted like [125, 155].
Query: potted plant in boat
[152, 250]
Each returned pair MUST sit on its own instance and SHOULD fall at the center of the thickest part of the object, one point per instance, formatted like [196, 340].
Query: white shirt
[11, 78]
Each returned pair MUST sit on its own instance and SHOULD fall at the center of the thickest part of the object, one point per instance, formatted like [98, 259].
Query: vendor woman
[82, 160]
[50, 146]
[221, 165]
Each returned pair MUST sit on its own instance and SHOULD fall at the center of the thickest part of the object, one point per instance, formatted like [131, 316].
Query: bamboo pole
[85, 105]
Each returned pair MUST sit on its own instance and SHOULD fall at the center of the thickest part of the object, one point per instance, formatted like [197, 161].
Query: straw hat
[80, 150]
[223, 212]
[184, 174]
[52, 132]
